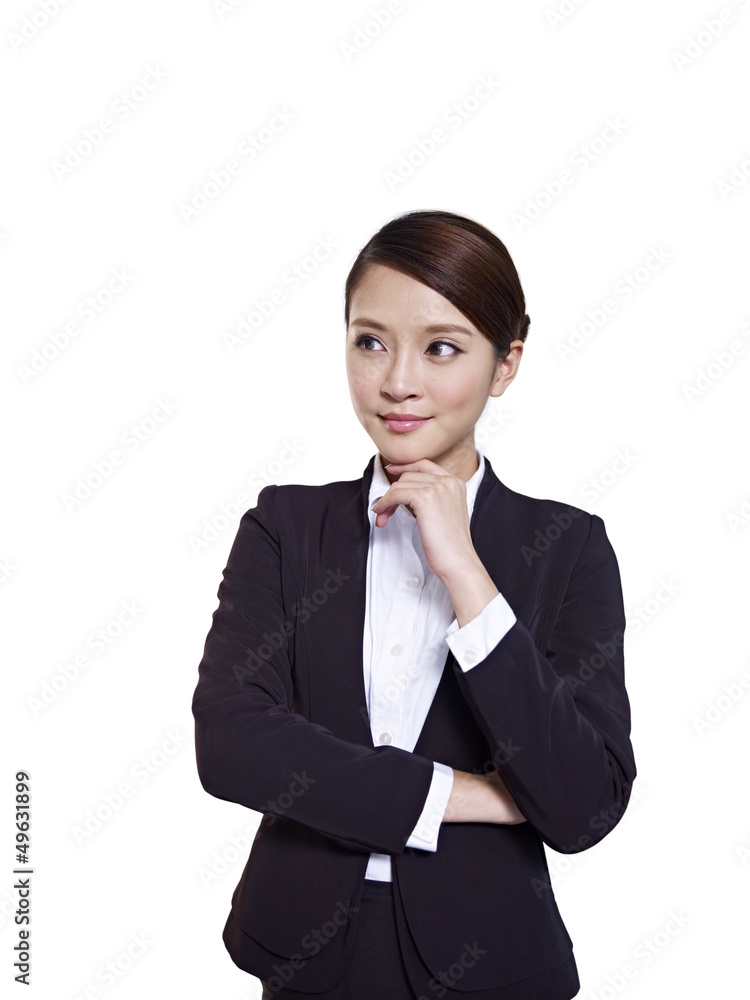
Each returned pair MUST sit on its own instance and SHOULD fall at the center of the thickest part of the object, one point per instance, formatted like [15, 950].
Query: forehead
[388, 295]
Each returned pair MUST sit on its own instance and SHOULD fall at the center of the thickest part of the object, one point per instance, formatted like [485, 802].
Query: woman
[416, 676]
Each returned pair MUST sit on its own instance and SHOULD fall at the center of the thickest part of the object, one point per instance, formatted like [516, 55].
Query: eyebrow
[431, 328]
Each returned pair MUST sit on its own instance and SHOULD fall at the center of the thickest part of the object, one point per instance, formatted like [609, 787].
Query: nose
[402, 377]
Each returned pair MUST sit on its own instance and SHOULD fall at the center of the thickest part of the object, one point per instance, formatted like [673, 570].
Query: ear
[505, 370]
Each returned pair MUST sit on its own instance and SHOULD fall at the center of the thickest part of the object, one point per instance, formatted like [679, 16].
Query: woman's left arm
[558, 723]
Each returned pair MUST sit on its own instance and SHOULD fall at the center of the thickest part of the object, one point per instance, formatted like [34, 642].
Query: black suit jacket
[281, 726]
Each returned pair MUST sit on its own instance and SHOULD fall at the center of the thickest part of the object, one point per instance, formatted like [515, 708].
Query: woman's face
[410, 351]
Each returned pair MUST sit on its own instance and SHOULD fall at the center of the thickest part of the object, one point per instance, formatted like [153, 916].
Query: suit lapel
[337, 696]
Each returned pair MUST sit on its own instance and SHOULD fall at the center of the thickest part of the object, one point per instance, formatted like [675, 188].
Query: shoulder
[543, 506]
[295, 503]
[543, 525]
[525, 510]
[291, 493]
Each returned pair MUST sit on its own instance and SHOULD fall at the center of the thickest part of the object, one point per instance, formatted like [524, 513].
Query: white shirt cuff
[425, 833]
[471, 643]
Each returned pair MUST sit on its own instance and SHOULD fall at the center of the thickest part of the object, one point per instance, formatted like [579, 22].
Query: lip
[402, 422]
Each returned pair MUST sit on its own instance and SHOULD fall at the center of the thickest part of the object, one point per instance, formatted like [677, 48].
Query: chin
[403, 448]
[404, 455]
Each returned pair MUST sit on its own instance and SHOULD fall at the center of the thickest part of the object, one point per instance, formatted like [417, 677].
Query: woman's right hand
[481, 798]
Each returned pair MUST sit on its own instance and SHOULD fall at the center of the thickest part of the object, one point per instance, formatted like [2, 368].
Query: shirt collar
[380, 484]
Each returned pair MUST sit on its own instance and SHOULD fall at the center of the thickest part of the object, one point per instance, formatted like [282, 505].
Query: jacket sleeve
[252, 748]
[558, 722]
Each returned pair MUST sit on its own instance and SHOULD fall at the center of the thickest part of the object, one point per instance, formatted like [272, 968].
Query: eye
[364, 338]
[445, 343]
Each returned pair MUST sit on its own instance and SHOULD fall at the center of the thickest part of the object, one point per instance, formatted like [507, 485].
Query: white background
[676, 509]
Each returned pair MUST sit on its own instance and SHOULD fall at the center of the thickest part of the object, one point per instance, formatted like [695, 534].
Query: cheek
[359, 385]
[458, 393]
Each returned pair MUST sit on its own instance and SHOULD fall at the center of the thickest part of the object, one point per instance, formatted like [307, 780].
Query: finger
[421, 465]
[389, 509]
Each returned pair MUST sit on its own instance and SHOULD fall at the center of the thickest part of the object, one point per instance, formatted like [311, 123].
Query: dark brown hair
[458, 258]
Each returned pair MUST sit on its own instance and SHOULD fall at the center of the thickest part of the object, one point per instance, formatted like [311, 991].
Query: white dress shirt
[409, 623]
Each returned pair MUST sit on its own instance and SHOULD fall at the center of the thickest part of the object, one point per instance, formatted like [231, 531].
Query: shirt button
[470, 656]
[413, 581]
[395, 650]
[385, 738]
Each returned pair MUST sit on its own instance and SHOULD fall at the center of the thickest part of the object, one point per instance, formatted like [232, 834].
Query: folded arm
[251, 748]
[558, 723]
